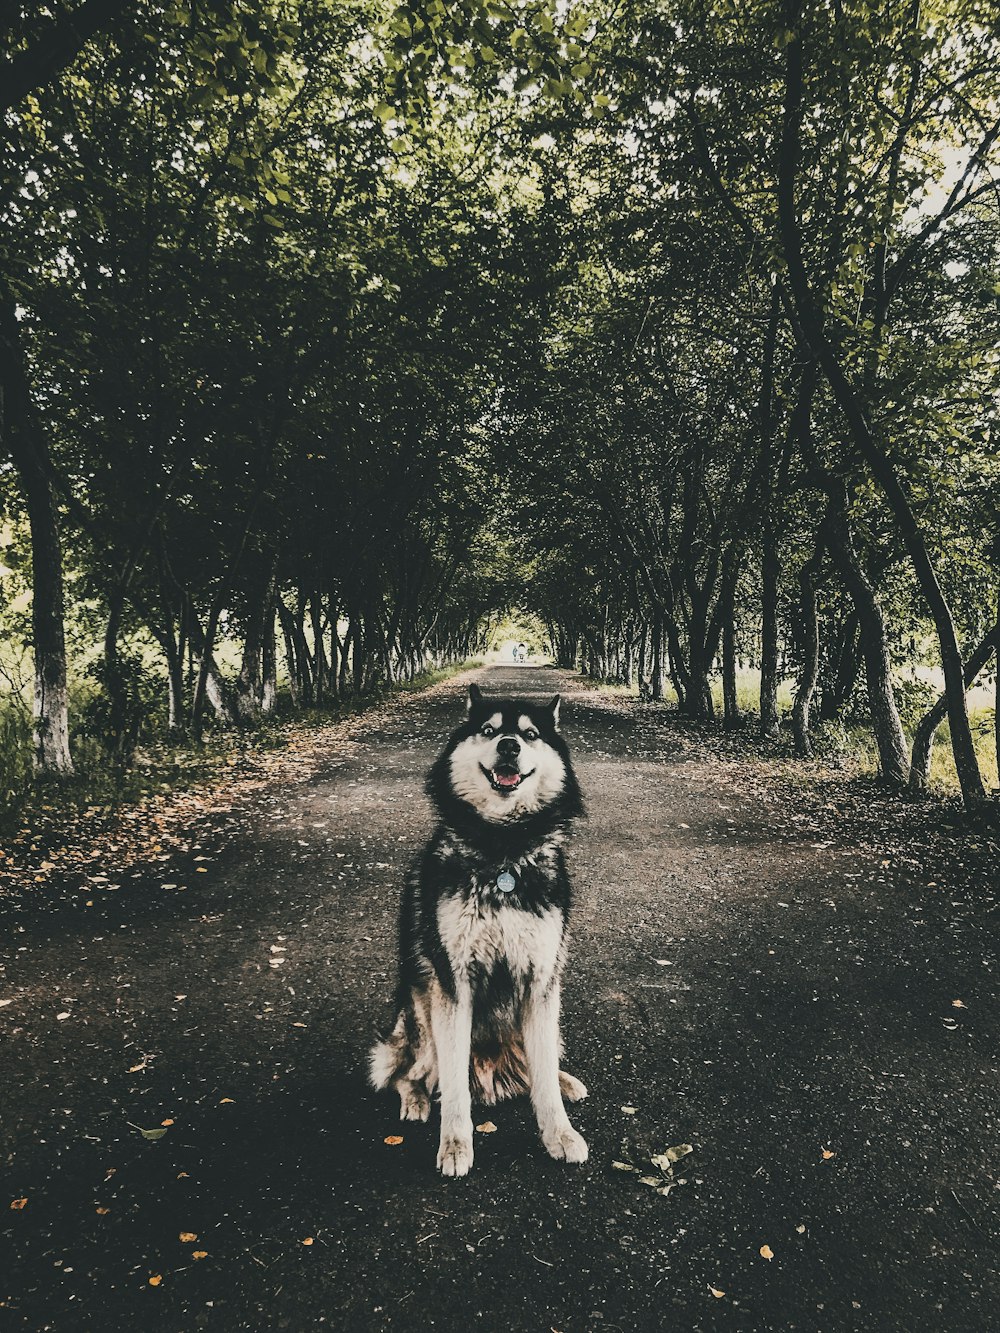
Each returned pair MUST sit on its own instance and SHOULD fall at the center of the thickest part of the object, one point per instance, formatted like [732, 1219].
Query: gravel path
[735, 983]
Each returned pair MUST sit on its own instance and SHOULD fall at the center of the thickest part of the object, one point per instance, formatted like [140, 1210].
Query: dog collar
[506, 882]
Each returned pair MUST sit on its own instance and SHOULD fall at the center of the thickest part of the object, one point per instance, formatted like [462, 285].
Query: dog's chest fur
[483, 937]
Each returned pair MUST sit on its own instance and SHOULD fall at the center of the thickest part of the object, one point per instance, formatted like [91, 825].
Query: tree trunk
[248, 698]
[770, 571]
[656, 670]
[22, 434]
[769, 576]
[845, 665]
[208, 684]
[871, 451]
[732, 718]
[269, 667]
[319, 650]
[359, 649]
[643, 683]
[345, 658]
[333, 615]
[699, 700]
[809, 646]
[57, 46]
[285, 620]
[923, 737]
[886, 726]
[121, 726]
[173, 647]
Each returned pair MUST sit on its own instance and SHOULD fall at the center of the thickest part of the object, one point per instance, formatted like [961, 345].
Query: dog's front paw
[455, 1155]
[565, 1144]
[414, 1104]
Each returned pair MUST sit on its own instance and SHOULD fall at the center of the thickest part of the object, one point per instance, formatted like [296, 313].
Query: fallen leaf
[227, 1101]
[393, 1139]
[665, 1160]
[766, 1252]
[717, 1293]
[18, 1204]
[166, 1122]
[487, 1127]
[955, 1004]
[188, 1237]
[199, 1254]
[629, 1110]
[103, 1211]
[624, 1166]
[60, 1017]
[308, 1240]
[135, 1069]
[801, 1229]
[5, 1003]
[155, 1280]
[654, 1181]
[182, 1175]
[152, 1134]
[827, 1154]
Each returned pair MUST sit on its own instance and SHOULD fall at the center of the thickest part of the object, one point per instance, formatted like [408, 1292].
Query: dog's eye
[488, 731]
[530, 734]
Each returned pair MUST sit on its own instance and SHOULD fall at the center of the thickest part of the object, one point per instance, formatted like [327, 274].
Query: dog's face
[508, 760]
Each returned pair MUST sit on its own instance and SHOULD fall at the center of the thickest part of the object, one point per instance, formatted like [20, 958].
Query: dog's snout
[509, 747]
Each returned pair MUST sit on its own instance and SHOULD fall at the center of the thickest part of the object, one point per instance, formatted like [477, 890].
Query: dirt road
[737, 982]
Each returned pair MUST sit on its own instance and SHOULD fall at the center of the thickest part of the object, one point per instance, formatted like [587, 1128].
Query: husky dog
[483, 933]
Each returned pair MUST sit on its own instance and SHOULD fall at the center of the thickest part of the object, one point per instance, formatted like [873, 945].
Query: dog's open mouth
[505, 780]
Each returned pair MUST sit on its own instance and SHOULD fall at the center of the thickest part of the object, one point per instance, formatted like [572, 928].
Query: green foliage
[356, 325]
[117, 731]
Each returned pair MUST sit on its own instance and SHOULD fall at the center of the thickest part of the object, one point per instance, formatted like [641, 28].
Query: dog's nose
[509, 747]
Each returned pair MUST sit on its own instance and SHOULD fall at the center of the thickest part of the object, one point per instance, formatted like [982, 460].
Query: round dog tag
[506, 882]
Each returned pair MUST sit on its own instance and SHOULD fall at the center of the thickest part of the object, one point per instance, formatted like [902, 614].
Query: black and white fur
[480, 969]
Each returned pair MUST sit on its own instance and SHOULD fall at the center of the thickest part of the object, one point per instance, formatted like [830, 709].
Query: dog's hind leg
[405, 1061]
[571, 1088]
[415, 1084]
[414, 1103]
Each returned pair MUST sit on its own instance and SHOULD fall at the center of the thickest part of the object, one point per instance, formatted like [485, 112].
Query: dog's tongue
[508, 779]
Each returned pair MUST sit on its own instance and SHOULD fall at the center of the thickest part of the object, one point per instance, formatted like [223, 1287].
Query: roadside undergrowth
[60, 829]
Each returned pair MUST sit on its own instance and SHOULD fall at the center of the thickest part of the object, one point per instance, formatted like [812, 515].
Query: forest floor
[784, 969]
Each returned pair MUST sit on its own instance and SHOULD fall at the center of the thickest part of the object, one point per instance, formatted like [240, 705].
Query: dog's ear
[474, 700]
[554, 710]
